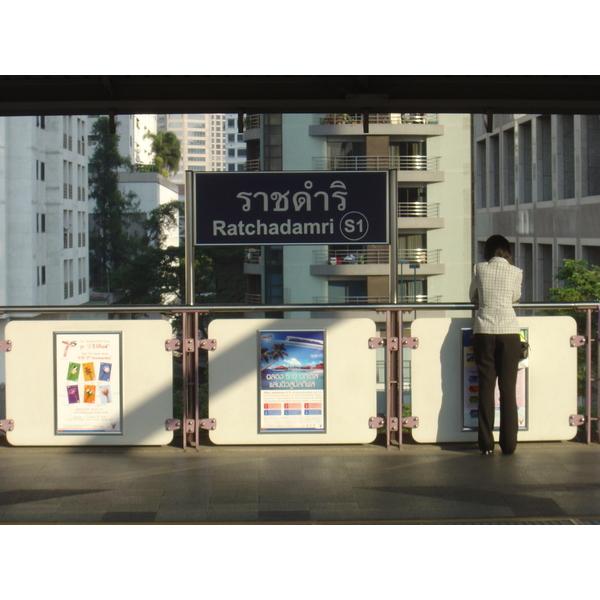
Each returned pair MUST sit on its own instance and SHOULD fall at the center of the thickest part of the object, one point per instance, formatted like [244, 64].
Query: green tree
[166, 148]
[578, 284]
[114, 212]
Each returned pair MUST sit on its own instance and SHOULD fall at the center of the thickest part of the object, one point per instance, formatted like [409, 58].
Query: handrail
[220, 308]
[365, 163]
[393, 312]
[418, 209]
[371, 256]
[377, 118]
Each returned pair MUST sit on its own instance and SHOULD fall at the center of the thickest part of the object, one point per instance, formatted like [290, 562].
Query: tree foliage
[137, 259]
[578, 284]
[114, 213]
[166, 148]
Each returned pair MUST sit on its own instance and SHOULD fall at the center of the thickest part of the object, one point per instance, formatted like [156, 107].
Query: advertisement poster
[88, 382]
[470, 390]
[292, 391]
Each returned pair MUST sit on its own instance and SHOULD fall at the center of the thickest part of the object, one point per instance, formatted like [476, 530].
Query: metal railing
[334, 299]
[371, 256]
[252, 256]
[393, 331]
[419, 255]
[376, 163]
[377, 118]
[252, 165]
[252, 122]
[418, 209]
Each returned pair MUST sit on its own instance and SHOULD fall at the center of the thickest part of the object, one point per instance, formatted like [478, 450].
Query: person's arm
[473, 293]
[518, 284]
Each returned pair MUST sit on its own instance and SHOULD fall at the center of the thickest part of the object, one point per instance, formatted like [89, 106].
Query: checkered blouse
[496, 285]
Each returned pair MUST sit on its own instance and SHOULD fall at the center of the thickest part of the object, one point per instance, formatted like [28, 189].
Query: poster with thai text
[470, 383]
[291, 382]
[88, 382]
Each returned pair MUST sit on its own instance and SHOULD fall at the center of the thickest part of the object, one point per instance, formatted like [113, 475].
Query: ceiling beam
[131, 94]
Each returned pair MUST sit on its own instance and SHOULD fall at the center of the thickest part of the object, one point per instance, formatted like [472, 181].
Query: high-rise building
[432, 156]
[43, 210]
[134, 142]
[202, 142]
[537, 182]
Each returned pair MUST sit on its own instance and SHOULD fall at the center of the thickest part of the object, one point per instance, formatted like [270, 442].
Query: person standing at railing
[496, 285]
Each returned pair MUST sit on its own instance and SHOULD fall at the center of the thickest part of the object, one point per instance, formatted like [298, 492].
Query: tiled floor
[556, 482]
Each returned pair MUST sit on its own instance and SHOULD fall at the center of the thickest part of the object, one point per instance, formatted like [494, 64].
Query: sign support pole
[189, 238]
[393, 226]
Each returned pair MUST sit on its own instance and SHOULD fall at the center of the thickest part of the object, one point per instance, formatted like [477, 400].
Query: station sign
[291, 208]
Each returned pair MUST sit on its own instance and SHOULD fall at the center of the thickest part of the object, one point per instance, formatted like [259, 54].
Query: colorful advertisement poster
[87, 368]
[470, 383]
[291, 383]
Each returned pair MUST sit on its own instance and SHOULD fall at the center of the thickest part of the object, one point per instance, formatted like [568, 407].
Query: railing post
[393, 359]
[597, 375]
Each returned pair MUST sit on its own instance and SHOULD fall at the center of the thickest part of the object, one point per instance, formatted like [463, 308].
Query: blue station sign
[291, 207]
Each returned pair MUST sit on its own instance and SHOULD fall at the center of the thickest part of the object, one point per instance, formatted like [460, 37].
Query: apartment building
[432, 156]
[43, 210]
[537, 182]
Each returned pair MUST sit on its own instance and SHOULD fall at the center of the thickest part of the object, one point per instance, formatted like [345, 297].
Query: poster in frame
[88, 383]
[292, 373]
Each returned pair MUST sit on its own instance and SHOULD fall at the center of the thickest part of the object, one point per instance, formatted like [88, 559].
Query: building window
[592, 154]
[480, 163]
[591, 254]
[508, 164]
[566, 156]
[68, 279]
[525, 164]
[494, 166]
[40, 170]
[544, 159]
[526, 262]
[545, 271]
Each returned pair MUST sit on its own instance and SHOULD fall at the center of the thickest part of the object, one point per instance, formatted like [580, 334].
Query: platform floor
[542, 483]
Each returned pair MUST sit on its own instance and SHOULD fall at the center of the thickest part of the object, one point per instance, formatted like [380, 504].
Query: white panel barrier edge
[34, 396]
[436, 369]
[350, 377]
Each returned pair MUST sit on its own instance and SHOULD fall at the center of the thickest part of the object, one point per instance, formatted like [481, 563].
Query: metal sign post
[189, 238]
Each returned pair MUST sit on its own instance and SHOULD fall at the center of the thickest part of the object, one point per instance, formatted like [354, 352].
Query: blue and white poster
[292, 381]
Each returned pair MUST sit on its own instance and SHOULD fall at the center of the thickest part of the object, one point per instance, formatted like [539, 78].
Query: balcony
[252, 263]
[419, 215]
[378, 118]
[414, 169]
[374, 262]
[373, 299]
[252, 165]
[393, 124]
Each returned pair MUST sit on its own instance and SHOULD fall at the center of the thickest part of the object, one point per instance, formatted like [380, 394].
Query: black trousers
[497, 358]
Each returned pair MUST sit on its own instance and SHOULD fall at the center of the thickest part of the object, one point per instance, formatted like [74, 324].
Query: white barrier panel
[94, 383]
[438, 388]
[292, 381]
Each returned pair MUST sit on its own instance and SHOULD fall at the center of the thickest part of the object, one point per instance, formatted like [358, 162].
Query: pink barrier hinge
[7, 425]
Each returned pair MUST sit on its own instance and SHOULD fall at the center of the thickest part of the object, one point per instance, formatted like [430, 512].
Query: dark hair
[497, 245]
